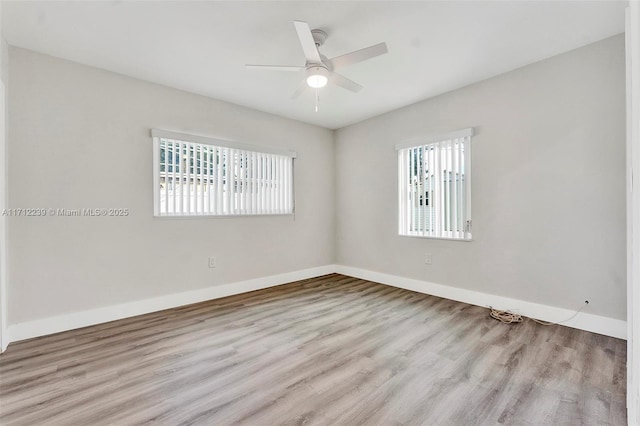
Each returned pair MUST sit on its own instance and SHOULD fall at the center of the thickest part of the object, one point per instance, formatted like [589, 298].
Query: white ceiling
[202, 46]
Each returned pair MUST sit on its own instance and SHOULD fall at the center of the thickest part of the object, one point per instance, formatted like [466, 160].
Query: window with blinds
[434, 186]
[197, 176]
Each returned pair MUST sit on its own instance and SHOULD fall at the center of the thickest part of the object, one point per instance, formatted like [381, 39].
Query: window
[434, 186]
[197, 176]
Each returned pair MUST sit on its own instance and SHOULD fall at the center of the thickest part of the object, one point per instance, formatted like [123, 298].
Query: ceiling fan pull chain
[317, 99]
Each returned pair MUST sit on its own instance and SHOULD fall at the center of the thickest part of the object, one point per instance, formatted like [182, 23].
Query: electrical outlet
[212, 262]
[428, 259]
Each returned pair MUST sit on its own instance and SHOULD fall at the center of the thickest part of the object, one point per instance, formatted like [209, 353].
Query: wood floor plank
[332, 350]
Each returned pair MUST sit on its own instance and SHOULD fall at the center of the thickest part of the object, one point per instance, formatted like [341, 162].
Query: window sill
[219, 216]
[462, 240]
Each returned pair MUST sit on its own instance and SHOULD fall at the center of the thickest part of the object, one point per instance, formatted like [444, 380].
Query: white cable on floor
[508, 317]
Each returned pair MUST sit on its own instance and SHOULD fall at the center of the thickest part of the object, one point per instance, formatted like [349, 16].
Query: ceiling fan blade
[275, 67]
[306, 41]
[301, 88]
[359, 55]
[344, 82]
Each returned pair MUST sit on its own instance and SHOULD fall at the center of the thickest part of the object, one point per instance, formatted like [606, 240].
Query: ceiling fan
[319, 69]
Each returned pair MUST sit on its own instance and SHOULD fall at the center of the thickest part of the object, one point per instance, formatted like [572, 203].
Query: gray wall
[79, 138]
[4, 80]
[4, 60]
[548, 185]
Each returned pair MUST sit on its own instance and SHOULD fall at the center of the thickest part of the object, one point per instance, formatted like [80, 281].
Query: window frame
[158, 135]
[404, 203]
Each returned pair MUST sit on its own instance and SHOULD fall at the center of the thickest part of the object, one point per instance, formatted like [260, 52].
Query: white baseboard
[4, 338]
[583, 321]
[42, 327]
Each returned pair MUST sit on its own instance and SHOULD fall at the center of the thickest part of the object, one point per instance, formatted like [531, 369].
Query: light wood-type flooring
[332, 350]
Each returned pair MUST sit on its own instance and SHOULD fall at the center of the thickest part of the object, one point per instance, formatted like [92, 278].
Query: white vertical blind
[200, 179]
[434, 182]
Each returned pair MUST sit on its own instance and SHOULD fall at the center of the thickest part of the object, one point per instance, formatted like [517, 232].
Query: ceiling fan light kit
[317, 77]
[319, 70]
